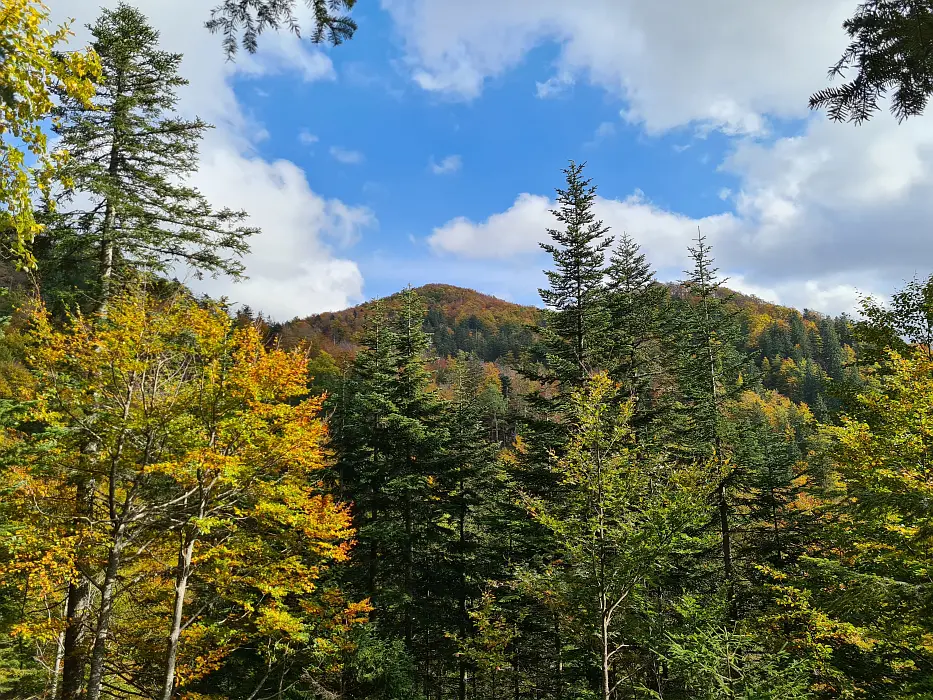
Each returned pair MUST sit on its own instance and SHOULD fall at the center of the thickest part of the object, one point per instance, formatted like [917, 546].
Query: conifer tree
[242, 21]
[635, 354]
[130, 156]
[576, 318]
[710, 367]
[625, 516]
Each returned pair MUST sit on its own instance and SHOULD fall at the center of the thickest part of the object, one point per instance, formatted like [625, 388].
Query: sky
[427, 148]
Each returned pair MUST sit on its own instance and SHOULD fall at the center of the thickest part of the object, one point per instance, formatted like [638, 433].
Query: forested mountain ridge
[798, 353]
[457, 319]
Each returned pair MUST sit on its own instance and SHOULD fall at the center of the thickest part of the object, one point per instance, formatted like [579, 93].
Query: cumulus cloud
[448, 165]
[346, 156]
[725, 62]
[814, 217]
[789, 277]
[294, 267]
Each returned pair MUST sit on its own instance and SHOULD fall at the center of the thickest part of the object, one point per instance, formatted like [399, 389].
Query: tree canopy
[890, 54]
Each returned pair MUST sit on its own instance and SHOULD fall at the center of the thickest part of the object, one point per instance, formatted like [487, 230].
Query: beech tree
[203, 490]
[27, 98]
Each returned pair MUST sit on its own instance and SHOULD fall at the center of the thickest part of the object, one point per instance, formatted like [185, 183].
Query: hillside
[799, 354]
[457, 319]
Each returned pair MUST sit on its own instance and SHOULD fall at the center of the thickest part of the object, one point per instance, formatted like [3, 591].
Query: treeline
[666, 493]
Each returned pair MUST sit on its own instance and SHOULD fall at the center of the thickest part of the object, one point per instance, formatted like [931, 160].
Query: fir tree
[710, 368]
[635, 354]
[130, 157]
[576, 319]
[242, 21]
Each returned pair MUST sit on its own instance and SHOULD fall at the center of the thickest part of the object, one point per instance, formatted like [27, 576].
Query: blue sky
[427, 148]
[506, 141]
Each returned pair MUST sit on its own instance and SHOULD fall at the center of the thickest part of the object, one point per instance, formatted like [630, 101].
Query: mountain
[457, 319]
[799, 354]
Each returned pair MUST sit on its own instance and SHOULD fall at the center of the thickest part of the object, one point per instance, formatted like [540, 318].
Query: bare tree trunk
[107, 596]
[79, 592]
[604, 637]
[185, 552]
[57, 669]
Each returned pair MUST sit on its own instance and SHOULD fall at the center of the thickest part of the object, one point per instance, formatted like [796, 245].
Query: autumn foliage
[171, 461]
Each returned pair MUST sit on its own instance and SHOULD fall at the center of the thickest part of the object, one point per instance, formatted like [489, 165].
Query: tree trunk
[79, 592]
[409, 574]
[106, 267]
[464, 618]
[107, 595]
[185, 552]
[57, 669]
[105, 270]
[604, 637]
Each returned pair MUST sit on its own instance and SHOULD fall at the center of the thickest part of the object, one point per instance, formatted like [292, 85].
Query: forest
[636, 490]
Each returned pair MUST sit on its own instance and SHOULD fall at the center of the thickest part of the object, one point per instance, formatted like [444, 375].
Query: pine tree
[635, 353]
[709, 372]
[130, 156]
[575, 319]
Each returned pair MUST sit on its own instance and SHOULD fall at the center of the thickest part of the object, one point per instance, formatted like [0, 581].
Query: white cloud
[286, 53]
[343, 155]
[789, 277]
[554, 86]
[307, 138]
[814, 216]
[293, 268]
[722, 62]
[515, 231]
[450, 164]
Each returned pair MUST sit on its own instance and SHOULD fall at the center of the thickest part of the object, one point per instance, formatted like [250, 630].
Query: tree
[636, 306]
[130, 156]
[709, 376]
[27, 89]
[203, 507]
[252, 17]
[904, 325]
[872, 573]
[890, 53]
[575, 317]
[624, 517]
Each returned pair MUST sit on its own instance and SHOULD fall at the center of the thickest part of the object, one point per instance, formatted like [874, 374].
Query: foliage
[252, 17]
[201, 463]
[890, 53]
[32, 70]
[130, 155]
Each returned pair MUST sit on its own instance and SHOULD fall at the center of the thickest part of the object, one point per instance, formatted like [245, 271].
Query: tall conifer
[131, 155]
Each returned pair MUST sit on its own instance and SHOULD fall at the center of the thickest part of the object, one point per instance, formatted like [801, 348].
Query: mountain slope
[457, 318]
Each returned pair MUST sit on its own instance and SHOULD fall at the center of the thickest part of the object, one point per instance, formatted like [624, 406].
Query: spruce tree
[575, 317]
[131, 155]
[636, 354]
[710, 368]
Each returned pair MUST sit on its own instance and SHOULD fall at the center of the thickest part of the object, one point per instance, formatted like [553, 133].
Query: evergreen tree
[242, 21]
[575, 319]
[129, 158]
[625, 517]
[635, 354]
[889, 52]
[709, 375]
